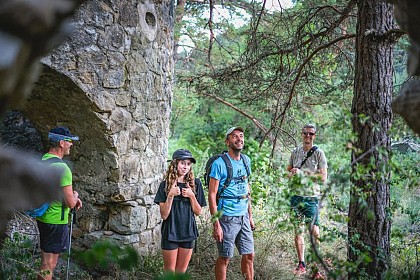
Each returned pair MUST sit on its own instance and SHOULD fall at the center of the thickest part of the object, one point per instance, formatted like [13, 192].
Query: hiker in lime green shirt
[53, 224]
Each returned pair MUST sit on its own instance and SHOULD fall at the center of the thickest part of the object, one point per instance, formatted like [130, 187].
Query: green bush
[18, 258]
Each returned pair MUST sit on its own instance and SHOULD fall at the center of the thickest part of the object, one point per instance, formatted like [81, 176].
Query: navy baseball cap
[61, 133]
[183, 154]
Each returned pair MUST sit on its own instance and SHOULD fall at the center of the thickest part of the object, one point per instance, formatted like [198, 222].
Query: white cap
[230, 130]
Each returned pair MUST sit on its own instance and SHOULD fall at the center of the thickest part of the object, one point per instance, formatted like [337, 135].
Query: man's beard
[235, 149]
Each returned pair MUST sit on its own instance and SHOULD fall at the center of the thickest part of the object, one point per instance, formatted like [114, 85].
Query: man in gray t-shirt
[307, 160]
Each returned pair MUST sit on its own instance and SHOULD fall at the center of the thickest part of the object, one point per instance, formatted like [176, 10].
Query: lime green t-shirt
[54, 211]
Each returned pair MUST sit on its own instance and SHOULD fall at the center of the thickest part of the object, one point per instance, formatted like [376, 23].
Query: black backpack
[229, 169]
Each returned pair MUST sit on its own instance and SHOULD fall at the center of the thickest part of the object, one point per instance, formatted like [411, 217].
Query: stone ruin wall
[111, 84]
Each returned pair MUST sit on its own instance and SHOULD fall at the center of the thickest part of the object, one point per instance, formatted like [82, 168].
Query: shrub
[18, 258]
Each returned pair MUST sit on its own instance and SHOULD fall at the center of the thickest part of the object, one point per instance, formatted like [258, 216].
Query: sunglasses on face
[308, 133]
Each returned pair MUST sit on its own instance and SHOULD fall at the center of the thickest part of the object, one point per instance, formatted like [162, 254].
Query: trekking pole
[69, 250]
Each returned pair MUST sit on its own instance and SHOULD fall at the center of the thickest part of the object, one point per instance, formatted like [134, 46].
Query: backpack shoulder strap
[308, 155]
[229, 175]
[312, 150]
[229, 169]
[246, 165]
[229, 166]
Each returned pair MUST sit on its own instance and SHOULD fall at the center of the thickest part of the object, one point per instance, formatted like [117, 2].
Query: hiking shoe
[318, 276]
[300, 269]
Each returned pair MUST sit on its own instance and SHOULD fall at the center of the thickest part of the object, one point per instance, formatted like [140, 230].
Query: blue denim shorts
[236, 232]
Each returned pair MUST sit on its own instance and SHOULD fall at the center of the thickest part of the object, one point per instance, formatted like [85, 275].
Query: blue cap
[61, 133]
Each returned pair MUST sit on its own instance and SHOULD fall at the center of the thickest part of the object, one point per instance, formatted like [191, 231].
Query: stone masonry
[111, 84]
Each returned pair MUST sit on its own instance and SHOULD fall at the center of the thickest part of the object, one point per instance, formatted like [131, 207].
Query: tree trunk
[179, 14]
[369, 217]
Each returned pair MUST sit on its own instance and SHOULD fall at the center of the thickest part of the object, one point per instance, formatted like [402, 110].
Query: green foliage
[405, 257]
[151, 264]
[20, 259]
[217, 216]
[265, 175]
[105, 253]
[255, 71]
[405, 205]
[17, 258]
[280, 74]
[196, 124]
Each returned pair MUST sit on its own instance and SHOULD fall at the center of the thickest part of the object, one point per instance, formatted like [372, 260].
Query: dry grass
[275, 256]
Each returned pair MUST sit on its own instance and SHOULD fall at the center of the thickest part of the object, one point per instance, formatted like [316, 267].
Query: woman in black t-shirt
[180, 197]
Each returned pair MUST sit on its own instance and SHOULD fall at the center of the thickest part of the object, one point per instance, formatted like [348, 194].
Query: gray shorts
[236, 231]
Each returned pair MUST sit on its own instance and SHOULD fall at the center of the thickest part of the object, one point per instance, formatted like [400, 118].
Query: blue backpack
[38, 212]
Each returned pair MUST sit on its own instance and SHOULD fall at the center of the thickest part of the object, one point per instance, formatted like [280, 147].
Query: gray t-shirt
[313, 164]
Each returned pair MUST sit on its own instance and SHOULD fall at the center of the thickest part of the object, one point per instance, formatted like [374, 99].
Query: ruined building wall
[111, 84]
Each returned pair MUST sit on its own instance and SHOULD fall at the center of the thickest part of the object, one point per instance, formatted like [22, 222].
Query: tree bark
[369, 217]
[179, 14]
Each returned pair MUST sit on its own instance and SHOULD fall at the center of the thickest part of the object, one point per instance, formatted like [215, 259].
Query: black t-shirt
[180, 226]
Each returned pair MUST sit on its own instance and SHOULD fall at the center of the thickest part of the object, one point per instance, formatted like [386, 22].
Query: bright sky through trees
[220, 13]
[278, 4]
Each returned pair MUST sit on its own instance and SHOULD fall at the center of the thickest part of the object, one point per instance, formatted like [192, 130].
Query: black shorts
[53, 238]
[172, 245]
